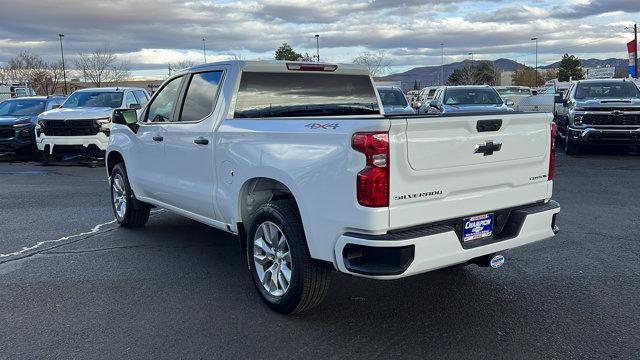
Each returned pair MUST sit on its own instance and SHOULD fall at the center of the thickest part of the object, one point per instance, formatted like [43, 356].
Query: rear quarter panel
[314, 159]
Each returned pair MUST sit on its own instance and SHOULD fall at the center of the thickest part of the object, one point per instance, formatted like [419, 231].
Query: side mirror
[434, 104]
[125, 117]
[135, 106]
[55, 106]
[510, 103]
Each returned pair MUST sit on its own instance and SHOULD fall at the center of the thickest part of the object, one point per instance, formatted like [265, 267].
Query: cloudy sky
[150, 34]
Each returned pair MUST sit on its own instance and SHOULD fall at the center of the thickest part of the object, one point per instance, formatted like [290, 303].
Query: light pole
[318, 47]
[536, 40]
[442, 64]
[204, 49]
[64, 72]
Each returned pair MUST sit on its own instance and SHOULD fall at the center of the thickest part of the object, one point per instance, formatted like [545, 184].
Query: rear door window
[201, 95]
[263, 94]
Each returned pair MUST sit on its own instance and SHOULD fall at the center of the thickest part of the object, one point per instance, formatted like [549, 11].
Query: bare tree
[378, 63]
[25, 67]
[235, 56]
[30, 69]
[4, 75]
[184, 64]
[101, 66]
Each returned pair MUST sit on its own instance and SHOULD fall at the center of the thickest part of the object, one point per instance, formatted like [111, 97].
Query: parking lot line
[94, 230]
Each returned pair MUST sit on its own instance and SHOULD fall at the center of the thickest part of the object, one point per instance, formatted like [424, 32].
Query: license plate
[477, 227]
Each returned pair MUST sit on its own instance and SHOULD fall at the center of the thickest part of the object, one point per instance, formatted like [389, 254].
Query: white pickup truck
[299, 161]
[83, 122]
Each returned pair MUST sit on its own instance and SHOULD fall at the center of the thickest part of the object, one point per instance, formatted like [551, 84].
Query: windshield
[392, 97]
[263, 94]
[471, 96]
[607, 90]
[21, 107]
[94, 99]
[514, 91]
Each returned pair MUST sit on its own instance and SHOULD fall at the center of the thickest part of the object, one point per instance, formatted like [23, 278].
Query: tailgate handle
[488, 125]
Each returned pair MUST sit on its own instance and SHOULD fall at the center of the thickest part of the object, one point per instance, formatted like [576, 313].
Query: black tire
[136, 213]
[45, 157]
[309, 281]
[571, 147]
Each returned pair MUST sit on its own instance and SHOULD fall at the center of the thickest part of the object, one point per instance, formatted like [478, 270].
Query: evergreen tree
[570, 68]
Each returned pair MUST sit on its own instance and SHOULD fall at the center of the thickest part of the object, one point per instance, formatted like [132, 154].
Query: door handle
[201, 141]
[158, 138]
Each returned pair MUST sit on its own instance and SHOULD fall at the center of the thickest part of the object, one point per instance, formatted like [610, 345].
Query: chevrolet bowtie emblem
[487, 148]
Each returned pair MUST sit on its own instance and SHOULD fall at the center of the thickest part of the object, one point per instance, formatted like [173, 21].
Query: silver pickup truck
[601, 112]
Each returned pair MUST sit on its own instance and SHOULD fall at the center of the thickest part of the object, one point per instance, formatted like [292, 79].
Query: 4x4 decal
[314, 126]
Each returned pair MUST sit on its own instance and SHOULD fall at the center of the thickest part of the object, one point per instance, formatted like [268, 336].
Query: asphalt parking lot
[179, 289]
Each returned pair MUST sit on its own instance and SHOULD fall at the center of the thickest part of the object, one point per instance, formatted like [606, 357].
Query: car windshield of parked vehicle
[94, 99]
[471, 96]
[392, 97]
[607, 90]
[264, 94]
[514, 92]
[21, 107]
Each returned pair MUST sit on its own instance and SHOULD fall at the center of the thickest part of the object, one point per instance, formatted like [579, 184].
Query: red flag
[632, 47]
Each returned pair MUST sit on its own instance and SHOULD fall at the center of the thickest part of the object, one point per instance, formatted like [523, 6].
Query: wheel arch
[113, 158]
[256, 192]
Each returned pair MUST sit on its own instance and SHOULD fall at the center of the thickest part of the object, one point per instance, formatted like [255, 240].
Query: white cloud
[152, 33]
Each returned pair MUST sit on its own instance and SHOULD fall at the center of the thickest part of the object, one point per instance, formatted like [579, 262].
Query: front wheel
[284, 273]
[127, 213]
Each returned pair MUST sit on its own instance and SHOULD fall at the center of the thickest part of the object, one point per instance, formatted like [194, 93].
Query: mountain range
[430, 75]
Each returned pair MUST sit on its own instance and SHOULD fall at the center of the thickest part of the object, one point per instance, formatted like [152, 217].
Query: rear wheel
[571, 147]
[284, 273]
[129, 212]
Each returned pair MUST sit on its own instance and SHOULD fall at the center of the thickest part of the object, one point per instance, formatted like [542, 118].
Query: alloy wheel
[272, 258]
[118, 194]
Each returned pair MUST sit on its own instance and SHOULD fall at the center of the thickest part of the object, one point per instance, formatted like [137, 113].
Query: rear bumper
[418, 250]
[100, 141]
[604, 135]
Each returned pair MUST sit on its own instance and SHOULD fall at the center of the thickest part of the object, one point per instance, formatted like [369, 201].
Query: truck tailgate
[456, 166]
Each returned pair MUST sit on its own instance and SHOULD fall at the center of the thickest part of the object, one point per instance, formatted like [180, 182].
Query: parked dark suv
[18, 119]
[603, 111]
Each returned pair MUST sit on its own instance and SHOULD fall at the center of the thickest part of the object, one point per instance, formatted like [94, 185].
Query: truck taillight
[373, 181]
[552, 153]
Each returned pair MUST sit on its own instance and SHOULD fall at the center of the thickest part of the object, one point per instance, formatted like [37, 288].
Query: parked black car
[18, 120]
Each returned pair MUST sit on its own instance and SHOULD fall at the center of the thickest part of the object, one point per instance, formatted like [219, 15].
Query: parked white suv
[82, 124]
[297, 160]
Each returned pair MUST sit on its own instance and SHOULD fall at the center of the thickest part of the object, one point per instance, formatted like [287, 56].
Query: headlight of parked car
[103, 121]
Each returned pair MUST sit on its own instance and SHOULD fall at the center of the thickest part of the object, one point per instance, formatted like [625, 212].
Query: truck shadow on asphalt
[604, 150]
[468, 302]
[11, 158]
